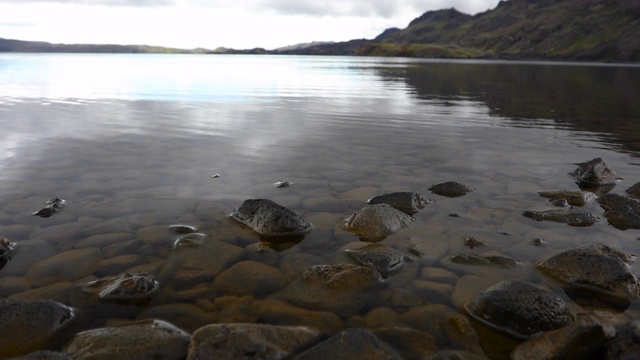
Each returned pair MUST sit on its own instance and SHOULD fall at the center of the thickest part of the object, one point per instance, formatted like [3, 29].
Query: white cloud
[239, 24]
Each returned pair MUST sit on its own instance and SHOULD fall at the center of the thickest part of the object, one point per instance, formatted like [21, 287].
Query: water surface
[132, 141]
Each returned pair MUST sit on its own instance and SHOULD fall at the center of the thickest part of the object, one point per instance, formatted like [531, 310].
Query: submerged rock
[573, 217]
[485, 260]
[595, 172]
[183, 229]
[377, 221]
[621, 212]
[596, 270]
[148, 339]
[189, 240]
[27, 326]
[583, 339]
[450, 189]
[407, 202]
[125, 287]
[519, 309]
[575, 198]
[270, 219]
[472, 242]
[377, 256]
[634, 190]
[343, 289]
[250, 341]
[353, 343]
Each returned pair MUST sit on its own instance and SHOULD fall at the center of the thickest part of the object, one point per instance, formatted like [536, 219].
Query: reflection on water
[132, 142]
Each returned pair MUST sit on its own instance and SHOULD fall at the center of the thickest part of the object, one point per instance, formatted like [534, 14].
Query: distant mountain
[598, 30]
[595, 30]
[39, 46]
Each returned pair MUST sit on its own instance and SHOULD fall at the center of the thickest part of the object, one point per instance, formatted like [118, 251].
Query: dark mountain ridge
[583, 30]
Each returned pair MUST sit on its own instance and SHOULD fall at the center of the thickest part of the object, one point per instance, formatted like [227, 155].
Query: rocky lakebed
[144, 287]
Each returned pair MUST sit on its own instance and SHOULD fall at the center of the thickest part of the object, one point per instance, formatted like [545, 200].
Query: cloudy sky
[239, 24]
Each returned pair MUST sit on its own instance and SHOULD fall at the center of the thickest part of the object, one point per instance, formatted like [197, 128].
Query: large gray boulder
[596, 270]
[519, 309]
[270, 219]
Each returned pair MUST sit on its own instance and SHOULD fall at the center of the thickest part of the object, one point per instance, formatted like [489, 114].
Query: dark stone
[450, 189]
[270, 219]
[595, 172]
[31, 325]
[621, 212]
[573, 217]
[250, 341]
[595, 270]
[583, 340]
[519, 309]
[407, 202]
[375, 222]
[626, 344]
[485, 260]
[354, 343]
[377, 256]
[634, 190]
[575, 198]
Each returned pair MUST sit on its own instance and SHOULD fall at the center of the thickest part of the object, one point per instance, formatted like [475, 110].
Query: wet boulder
[573, 217]
[595, 270]
[407, 202]
[52, 207]
[575, 198]
[270, 219]
[377, 256]
[519, 309]
[148, 339]
[377, 221]
[583, 339]
[621, 212]
[485, 260]
[7, 249]
[450, 189]
[27, 326]
[595, 172]
[634, 190]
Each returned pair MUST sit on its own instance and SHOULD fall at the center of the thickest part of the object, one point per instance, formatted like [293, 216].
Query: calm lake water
[132, 141]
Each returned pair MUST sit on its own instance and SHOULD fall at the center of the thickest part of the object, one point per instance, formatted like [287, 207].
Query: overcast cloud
[239, 24]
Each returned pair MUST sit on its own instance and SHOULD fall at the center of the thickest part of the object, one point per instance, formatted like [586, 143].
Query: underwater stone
[407, 202]
[377, 256]
[482, 260]
[519, 309]
[270, 219]
[573, 217]
[575, 198]
[123, 287]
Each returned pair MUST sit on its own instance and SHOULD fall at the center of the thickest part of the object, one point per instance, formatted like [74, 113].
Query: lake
[132, 143]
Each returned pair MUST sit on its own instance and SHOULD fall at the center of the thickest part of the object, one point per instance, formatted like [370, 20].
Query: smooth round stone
[70, 265]
[450, 189]
[12, 284]
[56, 292]
[377, 256]
[151, 339]
[249, 278]
[117, 264]
[377, 221]
[432, 318]
[185, 316]
[292, 265]
[519, 309]
[31, 325]
[410, 343]
[280, 313]
[381, 317]
[250, 341]
[103, 240]
[353, 343]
